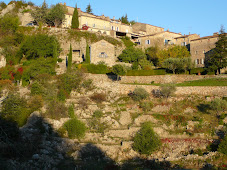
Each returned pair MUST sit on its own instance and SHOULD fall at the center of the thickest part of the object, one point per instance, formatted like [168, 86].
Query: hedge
[145, 72]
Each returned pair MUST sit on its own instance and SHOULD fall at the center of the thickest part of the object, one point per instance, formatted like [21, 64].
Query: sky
[202, 17]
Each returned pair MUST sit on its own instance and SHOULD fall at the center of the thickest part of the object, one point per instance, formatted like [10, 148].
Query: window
[93, 25]
[202, 62]
[148, 41]
[166, 42]
[183, 44]
[197, 61]
[126, 31]
[117, 29]
[112, 27]
[103, 55]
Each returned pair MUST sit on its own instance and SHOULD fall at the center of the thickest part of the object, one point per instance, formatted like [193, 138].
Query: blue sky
[203, 17]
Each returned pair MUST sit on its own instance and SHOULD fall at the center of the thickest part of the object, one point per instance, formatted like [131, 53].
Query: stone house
[103, 51]
[161, 39]
[201, 47]
[185, 40]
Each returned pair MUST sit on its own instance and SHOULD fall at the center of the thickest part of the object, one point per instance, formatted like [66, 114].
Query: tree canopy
[40, 13]
[124, 19]
[75, 19]
[131, 54]
[88, 9]
[218, 57]
[56, 15]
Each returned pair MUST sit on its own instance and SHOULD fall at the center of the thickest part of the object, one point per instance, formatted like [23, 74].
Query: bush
[219, 106]
[75, 128]
[56, 110]
[167, 90]
[98, 114]
[35, 103]
[100, 68]
[139, 94]
[96, 125]
[88, 84]
[222, 147]
[71, 111]
[145, 72]
[83, 103]
[15, 108]
[98, 97]
[119, 70]
[146, 106]
[146, 140]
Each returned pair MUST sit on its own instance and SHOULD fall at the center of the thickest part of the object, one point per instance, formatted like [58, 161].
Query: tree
[146, 140]
[131, 54]
[40, 13]
[124, 19]
[56, 14]
[70, 58]
[2, 5]
[139, 94]
[172, 64]
[40, 45]
[187, 64]
[87, 59]
[118, 70]
[218, 57]
[152, 54]
[75, 19]
[88, 9]
[167, 90]
[9, 24]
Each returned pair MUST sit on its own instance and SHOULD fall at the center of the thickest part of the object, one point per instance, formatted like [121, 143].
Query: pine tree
[87, 59]
[75, 19]
[70, 58]
[88, 9]
[218, 58]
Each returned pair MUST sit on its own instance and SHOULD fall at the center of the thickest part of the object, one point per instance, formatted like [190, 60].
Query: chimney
[216, 33]
[189, 33]
[114, 17]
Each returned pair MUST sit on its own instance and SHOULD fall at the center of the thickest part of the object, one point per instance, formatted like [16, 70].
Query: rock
[188, 110]
[125, 118]
[144, 118]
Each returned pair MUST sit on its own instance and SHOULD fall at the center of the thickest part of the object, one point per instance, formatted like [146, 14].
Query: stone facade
[161, 39]
[201, 47]
[103, 51]
[186, 39]
[146, 29]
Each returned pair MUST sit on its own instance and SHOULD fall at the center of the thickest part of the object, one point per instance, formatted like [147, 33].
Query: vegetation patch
[205, 82]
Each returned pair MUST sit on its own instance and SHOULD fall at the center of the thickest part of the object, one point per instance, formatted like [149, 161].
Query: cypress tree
[87, 59]
[70, 58]
[55, 52]
[75, 19]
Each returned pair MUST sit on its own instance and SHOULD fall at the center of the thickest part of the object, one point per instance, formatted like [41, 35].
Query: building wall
[146, 28]
[103, 51]
[158, 39]
[187, 39]
[200, 47]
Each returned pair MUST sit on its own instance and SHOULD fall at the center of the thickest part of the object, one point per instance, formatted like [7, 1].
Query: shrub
[15, 108]
[71, 111]
[56, 110]
[61, 95]
[145, 72]
[167, 90]
[98, 114]
[139, 94]
[218, 105]
[35, 103]
[75, 128]
[96, 125]
[98, 97]
[146, 140]
[83, 103]
[100, 68]
[222, 147]
[88, 84]
[146, 106]
[119, 70]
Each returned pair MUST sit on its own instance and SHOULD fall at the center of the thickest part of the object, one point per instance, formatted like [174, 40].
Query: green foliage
[205, 82]
[145, 72]
[40, 14]
[131, 54]
[71, 111]
[124, 19]
[146, 140]
[88, 9]
[9, 24]
[172, 64]
[40, 45]
[139, 94]
[61, 95]
[15, 108]
[173, 52]
[97, 114]
[219, 106]
[146, 106]
[88, 84]
[90, 37]
[145, 64]
[222, 147]
[127, 42]
[152, 54]
[75, 128]
[217, 59]
[96, 125]
[118, 69]
[75, 19]
[2, 5]
[70, 55]
[100, 68]
[87, 58]
[56, 15]
[56, 110]
[167, 90]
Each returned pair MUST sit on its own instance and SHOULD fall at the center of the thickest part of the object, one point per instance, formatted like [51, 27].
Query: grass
[205, 82]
